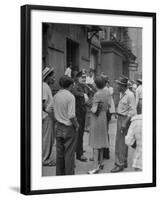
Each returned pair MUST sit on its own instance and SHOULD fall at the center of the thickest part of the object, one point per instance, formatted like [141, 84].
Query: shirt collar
[127, 91]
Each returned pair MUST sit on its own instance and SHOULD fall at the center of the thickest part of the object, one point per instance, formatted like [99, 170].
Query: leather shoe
[117, 169]
[101, 166]
[94, 171]
[82, 158]
[125, 165]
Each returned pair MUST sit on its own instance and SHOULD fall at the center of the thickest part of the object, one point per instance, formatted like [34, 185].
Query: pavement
[84, 167]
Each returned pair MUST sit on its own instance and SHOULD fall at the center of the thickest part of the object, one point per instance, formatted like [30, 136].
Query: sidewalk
[84, 167]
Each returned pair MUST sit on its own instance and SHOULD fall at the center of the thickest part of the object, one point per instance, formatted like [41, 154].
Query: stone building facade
[136, 46]
[117, 56]
[113, 50]
[67, 43]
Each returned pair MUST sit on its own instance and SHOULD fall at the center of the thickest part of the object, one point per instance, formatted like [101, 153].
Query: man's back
[64, 106]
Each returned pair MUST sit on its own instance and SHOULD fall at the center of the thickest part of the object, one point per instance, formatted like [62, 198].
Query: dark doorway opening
[73, 54]
[125, 69]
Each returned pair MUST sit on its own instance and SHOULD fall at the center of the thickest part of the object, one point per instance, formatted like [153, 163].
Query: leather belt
[121, 115]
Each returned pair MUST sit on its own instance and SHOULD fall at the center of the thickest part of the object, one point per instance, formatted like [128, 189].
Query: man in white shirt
[126, 110]
[68, 71]
[66, 127]
[90, 78]
[48, 135]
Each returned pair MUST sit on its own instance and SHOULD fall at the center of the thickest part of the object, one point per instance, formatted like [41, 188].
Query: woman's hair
[100, 83]
[65, 81]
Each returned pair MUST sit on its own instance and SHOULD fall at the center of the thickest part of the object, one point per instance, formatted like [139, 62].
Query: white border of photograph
[55, 182]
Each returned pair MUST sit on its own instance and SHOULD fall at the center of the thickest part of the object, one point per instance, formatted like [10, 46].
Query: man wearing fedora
[125, 111]
[47, 118]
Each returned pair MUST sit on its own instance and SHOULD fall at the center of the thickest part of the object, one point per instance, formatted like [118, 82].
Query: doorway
[72, 54]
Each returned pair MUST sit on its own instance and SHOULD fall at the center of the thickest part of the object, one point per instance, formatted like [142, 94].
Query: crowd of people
[86, 103]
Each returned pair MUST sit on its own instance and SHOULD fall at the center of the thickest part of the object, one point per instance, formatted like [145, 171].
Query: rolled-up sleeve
[71, 107]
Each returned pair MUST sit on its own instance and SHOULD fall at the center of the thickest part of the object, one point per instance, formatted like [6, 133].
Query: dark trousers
[121, 149]
[66, 137]
[106, 151]
[79, 148]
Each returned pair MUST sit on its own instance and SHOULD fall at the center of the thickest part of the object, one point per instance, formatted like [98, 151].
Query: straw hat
[47, 71]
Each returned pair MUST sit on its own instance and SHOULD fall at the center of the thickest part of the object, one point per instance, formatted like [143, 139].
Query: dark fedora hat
[139, 81]
[123, 76]
[122, 81]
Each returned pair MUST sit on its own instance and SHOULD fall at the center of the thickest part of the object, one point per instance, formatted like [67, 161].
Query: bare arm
[75, 123]
[71, 113]
[132, 105]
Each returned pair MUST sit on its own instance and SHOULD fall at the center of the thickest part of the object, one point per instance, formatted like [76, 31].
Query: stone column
[133, 67]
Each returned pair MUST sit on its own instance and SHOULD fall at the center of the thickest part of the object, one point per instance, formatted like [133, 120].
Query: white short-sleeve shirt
[64, 106]
[68, 72]
[47, 96]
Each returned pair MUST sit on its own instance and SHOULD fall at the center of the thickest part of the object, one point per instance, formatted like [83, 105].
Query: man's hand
[77, 127]
[123, 129]
[125, 125]
[125, 122]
